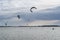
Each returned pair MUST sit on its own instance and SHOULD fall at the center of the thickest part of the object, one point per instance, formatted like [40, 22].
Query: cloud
[46, 10]
[41, 17]
[42, 22]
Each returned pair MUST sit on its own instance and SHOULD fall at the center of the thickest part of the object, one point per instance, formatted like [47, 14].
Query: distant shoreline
[34, 26]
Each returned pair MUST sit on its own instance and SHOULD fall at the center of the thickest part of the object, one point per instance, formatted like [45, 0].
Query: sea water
[29, 33]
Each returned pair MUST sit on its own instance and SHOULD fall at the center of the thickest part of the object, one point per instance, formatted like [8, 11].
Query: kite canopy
[18, 16]
[32, 8]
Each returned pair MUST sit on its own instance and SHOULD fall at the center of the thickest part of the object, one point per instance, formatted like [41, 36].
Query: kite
[18, 16]
[32, 8]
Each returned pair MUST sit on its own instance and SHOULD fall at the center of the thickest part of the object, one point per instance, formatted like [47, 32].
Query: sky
[47, 12]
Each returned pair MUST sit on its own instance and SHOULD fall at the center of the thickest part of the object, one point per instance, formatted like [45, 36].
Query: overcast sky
[47, 12]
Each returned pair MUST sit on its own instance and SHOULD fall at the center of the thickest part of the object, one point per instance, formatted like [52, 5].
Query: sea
[29, 33]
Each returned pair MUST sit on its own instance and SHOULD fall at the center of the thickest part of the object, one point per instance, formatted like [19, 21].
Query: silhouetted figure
[52, 28]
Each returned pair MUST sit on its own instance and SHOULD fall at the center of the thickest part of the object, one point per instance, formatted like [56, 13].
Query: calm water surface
[29, 33]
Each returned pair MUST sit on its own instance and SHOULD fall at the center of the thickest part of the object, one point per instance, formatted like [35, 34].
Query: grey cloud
[40, 15]
[51, 15]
